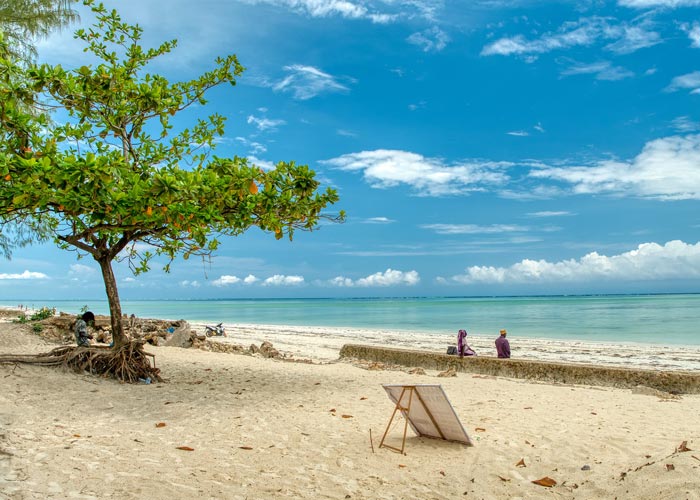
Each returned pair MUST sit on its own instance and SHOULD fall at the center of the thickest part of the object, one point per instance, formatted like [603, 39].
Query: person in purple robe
[502, 345]
[463, 348]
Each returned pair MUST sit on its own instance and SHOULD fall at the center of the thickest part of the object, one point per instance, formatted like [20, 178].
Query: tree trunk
[115, 307]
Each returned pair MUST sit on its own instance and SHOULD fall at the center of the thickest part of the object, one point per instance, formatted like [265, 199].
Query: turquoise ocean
[672, 320]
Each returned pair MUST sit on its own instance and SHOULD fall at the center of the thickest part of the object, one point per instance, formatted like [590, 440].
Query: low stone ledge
[676, 382]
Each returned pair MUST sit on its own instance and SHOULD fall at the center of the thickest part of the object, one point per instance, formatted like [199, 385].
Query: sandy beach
[238, 426]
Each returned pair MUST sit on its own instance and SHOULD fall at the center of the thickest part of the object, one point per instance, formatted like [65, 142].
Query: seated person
[502, 345]
[82, 337]
[463, 348]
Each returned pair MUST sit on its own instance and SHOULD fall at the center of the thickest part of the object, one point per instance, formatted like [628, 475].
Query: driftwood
[129, 363]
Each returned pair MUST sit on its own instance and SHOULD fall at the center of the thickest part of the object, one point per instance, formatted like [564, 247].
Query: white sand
[64, 435]
[324, 343]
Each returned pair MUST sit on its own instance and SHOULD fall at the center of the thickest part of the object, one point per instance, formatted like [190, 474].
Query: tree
[22, 21]
[116, 175]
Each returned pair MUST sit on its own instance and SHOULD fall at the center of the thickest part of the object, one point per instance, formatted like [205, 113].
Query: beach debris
[332, 410]
[160, 424]
[246, 447]
[185, 448]
[416, 371]
[450, 372]
[586, 467]
[670, 467]
[683, 447]
[346, 416]
[546, 481]
[479, 429]
[442, 473]
[376, 366]
[363, 398]
[181, 337]
[402, 466]
[504, 479]
[521, 463]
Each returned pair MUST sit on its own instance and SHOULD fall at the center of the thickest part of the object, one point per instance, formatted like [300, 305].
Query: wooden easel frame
[406, 410]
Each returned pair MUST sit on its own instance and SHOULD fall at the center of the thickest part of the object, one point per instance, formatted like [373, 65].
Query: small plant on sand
[21, 319]
[37, 327]
[43, 313]
[115, 182]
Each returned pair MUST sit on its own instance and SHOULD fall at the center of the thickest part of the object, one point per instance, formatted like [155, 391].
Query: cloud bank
[666, 169]
[390, 277]
[385, 168]
[26, 275]
[650, 261]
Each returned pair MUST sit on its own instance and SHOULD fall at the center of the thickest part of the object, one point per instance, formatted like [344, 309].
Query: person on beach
[502, 345]
[463, 348]
[81, 329]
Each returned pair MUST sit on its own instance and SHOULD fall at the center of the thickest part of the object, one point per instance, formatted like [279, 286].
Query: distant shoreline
[324, 343]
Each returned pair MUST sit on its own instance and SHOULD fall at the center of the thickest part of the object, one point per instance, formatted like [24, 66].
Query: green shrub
[43, 313]
[37, 327]
[22, 318]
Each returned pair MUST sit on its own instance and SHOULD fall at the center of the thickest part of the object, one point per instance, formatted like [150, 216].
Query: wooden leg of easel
[408, 412]
[405, 428]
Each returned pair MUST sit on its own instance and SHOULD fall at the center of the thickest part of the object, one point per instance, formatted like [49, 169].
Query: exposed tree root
[128, 363]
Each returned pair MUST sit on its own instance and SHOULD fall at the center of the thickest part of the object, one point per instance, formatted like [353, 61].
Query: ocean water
[672, 320]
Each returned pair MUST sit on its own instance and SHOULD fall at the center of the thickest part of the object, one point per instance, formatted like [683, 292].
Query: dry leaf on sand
[683, 446]
[521, 463]
[504, 479]
[246, 447]
[545, 481]
[185, 448]
[160, 424]
[346, 416]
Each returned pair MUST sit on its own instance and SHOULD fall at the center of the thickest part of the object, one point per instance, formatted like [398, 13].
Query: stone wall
[676, 382]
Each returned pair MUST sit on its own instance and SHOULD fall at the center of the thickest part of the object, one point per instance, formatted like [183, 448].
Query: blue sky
[479, 147]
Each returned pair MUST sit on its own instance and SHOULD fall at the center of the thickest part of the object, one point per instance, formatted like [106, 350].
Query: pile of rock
[153, 331]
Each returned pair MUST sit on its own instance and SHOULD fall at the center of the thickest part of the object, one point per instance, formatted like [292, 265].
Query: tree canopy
[114, 181]
[23, 21]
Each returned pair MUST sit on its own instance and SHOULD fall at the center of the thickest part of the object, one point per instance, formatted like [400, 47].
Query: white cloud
[646, 4]
[687, 81]
[693, 32]
[190, 284]
[518, 133]
[81, 270]
[281, 280]
[26, 275]
[384, 168]
[584, 32]
[650, 261]
[473, 228]
[254, 147]
[667, 168]
[263, 123]
[226, 279]
[378, 220]
[603, 70]
[328, 8]
[390, 277]
[306, 82]
[685, 124]
[430, 40]
[549, 213]
[264, 164]
[250, 279]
